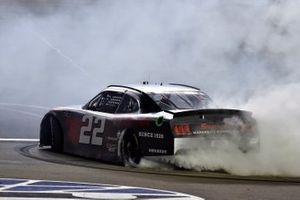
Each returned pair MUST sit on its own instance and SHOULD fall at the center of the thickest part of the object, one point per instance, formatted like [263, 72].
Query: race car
[125, 123]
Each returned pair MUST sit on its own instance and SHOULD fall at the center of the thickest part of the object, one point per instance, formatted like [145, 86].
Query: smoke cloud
[243, 54]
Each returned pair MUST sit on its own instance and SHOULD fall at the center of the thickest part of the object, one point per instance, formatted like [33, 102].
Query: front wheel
[131, 152]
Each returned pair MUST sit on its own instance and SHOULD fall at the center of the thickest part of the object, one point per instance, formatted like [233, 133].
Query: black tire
[131, 151]
[57, 136]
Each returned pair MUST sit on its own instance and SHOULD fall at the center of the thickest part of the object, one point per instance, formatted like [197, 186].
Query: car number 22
[91, 132]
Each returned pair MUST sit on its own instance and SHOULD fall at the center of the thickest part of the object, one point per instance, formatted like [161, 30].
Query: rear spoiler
[210, 111]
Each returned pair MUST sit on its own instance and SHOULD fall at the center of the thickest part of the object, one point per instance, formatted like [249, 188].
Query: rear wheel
[131, 151]
[57, 136]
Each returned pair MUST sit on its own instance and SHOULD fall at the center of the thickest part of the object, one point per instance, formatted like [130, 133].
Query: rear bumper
[184, 144]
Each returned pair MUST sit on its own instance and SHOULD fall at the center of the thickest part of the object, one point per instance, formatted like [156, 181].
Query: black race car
[124, 123]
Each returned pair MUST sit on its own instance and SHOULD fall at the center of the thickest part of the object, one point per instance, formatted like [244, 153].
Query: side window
[93, 104]
[128, 105]
[107, 102]
[110, 102]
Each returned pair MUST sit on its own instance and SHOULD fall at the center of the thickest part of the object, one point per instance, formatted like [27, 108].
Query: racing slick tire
[57, 136]
[131, 151]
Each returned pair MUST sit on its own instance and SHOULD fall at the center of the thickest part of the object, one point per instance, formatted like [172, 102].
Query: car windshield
[181, 100]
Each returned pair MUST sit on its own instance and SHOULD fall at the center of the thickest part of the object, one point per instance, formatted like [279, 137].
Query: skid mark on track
[33, 151]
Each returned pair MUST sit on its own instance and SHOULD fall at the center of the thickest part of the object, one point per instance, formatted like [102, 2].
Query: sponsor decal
[43, 189]
[215, 132]
[214, 129]
[151, 135]
[115, 139]
[111, 147]
[159, 121]
[210, 126]
[160, 151]
[111, 144]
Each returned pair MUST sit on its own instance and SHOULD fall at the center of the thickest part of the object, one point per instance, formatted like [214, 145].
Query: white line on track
[18, 140]
[25, 183]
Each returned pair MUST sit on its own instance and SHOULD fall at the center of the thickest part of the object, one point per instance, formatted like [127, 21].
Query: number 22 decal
[90, 133]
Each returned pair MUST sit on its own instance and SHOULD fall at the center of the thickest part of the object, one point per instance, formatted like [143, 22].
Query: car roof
[157, 88]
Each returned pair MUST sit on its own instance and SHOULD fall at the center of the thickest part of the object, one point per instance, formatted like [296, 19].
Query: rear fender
[156, 141]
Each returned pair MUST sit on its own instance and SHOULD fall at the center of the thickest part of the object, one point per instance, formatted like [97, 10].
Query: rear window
[182, 100]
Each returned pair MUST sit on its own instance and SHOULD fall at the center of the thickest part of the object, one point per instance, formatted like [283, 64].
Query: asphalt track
[24, 160]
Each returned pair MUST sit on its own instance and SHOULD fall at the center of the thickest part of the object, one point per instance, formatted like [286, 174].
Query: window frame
[134, 97]
[96, 101]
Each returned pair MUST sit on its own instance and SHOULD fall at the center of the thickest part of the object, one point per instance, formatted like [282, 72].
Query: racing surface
[15, 165]
[146, 166]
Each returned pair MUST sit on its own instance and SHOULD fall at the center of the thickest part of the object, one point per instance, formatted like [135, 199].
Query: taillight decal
[182, 129]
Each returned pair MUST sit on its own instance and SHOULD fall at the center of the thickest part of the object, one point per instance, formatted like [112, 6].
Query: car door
[87, 129]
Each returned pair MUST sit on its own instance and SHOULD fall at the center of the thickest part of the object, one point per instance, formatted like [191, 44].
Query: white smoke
[272, 46]
[243, 54]
[278, 121]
